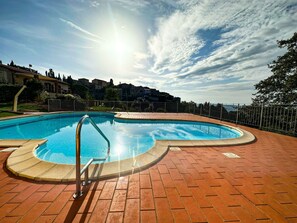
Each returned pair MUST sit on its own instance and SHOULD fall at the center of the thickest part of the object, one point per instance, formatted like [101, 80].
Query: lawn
[6, 114]
[23, 107]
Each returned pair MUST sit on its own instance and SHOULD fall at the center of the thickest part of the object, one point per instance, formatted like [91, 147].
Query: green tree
[51, 73]
[69, 80]
[34, 88]
[281, 86]
[111, 83]
[81, 90]
[111, 94]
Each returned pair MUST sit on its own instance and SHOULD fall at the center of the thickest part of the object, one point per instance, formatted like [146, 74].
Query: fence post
[165, 107]
[201, 109]
[176, 107]
[60, 104]
[295, 122]
[261, 116]
[209, 110]
[221, 114]
[73, 105]
[48, 105]
[237, 114]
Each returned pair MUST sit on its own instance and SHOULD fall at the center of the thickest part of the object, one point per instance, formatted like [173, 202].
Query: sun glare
[120, 41]
[119, 51]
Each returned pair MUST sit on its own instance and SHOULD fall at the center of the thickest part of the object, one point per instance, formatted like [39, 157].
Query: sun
[119, 51]
[116, 52]
[121, 48]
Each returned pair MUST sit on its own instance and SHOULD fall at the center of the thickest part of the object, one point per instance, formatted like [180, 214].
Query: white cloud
[132, 5]
[243, 50]
[167, 42]
[174, 44]
[94, 4]
[140, 60]
[90, 36]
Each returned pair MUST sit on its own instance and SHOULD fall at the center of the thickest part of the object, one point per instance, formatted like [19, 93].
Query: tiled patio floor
[192, 185]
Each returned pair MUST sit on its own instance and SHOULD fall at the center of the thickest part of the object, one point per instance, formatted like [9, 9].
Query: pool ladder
[85, 168]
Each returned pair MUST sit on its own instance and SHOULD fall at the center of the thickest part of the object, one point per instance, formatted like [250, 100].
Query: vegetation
[281, 86]
[12, 64]
[7, 114]
[33, 90]
[23, 107]
[8, 91]
[101, 108]
[112, 94]
[81, 90]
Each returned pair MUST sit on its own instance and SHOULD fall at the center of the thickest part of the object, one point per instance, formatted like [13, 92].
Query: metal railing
[270, 117]
[275, 118]
[85, 169]
[65, 105]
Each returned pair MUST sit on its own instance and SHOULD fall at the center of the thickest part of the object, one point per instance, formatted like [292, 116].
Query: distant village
[96, 89]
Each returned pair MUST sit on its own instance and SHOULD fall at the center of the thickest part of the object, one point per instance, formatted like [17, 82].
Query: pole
[261, 116]
[221, 114]
[295, 122]
[78, 192]
[15, 101]
[237, 114]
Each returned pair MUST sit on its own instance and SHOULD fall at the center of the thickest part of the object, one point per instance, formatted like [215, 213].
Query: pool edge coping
[23, 163]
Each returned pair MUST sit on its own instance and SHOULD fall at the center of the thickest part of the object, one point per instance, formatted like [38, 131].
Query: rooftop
[190, 184]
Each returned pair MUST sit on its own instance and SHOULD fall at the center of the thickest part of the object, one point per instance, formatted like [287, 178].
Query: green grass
[100, 108]
[23, 107]
[6, 114]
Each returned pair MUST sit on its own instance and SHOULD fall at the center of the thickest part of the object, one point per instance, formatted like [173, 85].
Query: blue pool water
[128, 138]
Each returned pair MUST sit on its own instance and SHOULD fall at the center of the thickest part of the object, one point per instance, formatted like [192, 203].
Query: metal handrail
[85, 169]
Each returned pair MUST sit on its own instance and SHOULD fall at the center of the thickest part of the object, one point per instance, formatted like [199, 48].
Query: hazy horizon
[200, 51]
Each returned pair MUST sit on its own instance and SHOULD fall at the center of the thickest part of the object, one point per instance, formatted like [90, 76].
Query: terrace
[193, 184]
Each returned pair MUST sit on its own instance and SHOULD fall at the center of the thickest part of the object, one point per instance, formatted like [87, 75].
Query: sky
[199, 50]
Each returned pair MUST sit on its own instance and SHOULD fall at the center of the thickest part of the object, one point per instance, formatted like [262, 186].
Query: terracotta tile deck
[192, 185]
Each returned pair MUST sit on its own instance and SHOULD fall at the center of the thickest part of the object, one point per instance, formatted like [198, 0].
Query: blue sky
[204, 50]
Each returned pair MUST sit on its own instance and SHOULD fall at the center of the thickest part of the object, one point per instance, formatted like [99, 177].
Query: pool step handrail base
[85, 169]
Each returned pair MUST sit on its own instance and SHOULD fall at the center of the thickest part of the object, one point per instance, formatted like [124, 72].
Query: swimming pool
[128, 138]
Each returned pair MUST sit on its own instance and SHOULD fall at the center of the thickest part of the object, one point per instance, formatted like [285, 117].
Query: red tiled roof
[16, 69]
[31, 74]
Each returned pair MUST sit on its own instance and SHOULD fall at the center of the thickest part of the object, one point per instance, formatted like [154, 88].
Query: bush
[44, 96]
[32, 91]
[69, 97]
[7, 92]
